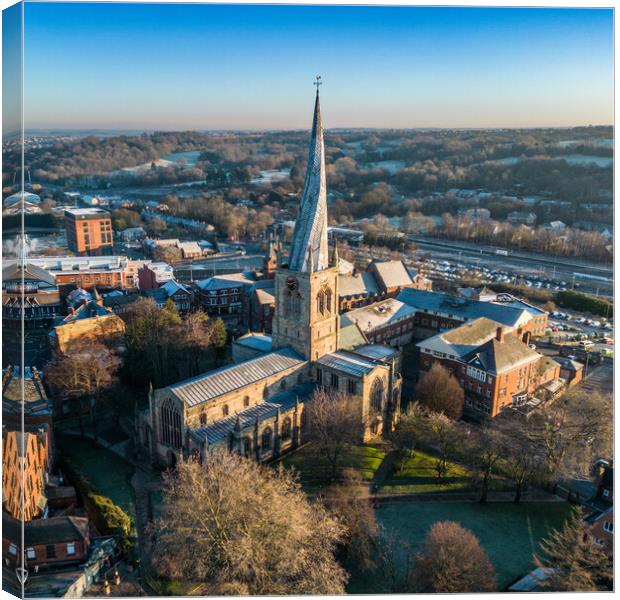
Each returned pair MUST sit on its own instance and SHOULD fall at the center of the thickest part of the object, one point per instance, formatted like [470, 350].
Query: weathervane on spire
[318, 82]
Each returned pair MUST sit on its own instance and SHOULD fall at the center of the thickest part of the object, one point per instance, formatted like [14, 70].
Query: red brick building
[89, 231]
[56, 541]
[494, 368]
[380, 280]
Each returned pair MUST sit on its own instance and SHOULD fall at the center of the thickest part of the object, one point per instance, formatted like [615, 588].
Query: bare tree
[441, 392]
[485, 449]
[410, 431]
[350, 504]
[446, 438]
[88, 368]
[196, 336]
[239, 527]
[452, 561]
[572, 431]
[577, 563]
[334, 422]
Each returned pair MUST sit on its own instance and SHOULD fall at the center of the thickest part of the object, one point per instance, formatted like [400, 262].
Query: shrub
[585, 303]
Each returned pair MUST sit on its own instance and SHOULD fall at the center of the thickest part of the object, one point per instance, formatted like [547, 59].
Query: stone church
[256, 406]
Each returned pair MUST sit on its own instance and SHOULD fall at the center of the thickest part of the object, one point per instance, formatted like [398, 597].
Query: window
[247, 446]
[320, 302]
[319, 376]
[335, 380]
[352, 387]
[246, 401]
[286, 429]
[70, 548]
[376, 394]
[13, 549]
[266, 439]
[225, 410]
[608, 526]
[170, 424]
[203, 418]
[606, 493]
[30, 553]
[50, 551]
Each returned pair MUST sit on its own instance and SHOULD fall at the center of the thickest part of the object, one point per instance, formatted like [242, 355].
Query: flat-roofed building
[89, 231]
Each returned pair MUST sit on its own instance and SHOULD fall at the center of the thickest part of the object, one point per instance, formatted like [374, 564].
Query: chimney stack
[499, 334]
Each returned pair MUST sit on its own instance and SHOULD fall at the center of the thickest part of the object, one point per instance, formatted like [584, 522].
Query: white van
[586, 344]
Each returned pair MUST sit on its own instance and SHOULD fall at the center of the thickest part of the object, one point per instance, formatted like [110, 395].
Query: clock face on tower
[291, 284]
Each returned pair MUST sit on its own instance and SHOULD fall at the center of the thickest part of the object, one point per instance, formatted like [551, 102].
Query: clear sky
[188, 66]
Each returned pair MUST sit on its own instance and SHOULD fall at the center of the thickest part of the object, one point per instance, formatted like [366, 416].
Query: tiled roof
[222, 428]
[475, 342]
[392, 274]
[360, 284]
[462, 308]
[346, 362]
[173, 286]
[232, 377]
[31, 272]
[87, 311]
[496, 357]
[54, 530]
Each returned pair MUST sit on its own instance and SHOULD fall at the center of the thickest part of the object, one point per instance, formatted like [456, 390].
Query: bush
[585, 303]
[108, 517]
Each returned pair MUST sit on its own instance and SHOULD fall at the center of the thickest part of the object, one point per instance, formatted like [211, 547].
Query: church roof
[350, 364]
[309, 249]
[376, 351]
[232, 377]
[222, 428]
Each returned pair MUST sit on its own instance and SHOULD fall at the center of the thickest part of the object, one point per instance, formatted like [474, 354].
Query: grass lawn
[315, 471]
[107, 471]
[509, 533]
[420, 477]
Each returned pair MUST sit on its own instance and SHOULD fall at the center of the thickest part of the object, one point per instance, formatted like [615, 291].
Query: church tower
[306, 315]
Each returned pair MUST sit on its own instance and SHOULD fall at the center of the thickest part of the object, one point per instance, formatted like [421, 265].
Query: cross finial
[317, 82]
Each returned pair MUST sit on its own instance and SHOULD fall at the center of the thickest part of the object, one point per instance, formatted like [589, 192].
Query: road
[600, 379]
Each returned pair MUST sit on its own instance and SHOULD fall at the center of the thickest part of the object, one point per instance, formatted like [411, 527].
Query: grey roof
[475, 343]
[392, 274]
[347, 363]
[568, 363]
[376, 351]
[232, 377]
[350, 335]
[54, 530]
[461, 308]
[256, 341]
[222, 282]
[222, 428]
[31, 272]
[309, 250]
[358, 284]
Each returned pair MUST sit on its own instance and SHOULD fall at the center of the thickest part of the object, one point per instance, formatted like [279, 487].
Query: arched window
[286, 429]
[293, 303]
[203, 418]
[246, 401]
[171, 431]
[320, 302]
[247, 446]
[225, 410]
[266, 439]
[376, 394]
[328, 299]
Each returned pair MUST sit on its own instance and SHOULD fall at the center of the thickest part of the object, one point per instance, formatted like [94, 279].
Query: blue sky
[199, 67]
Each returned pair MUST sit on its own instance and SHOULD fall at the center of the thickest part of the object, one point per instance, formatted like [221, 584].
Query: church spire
[310, 236]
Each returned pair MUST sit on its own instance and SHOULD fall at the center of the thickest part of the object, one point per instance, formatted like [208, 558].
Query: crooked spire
[309, 245]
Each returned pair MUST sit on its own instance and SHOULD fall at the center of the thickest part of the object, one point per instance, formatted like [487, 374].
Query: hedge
[108, 517]
[585, 303]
